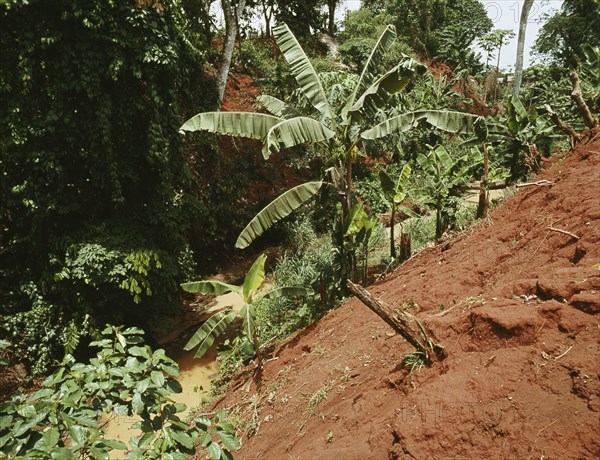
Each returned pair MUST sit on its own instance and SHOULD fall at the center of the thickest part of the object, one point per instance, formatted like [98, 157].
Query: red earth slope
[516, 306]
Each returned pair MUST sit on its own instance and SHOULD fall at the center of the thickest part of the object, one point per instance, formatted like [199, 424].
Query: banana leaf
[446, 120]
[369, 73]
[302, 70]
[254, 278]
[209, 332]
[378, 94]
[277, 107]
[241, 124]
[279, 208]
[210, 287]
[295, 131]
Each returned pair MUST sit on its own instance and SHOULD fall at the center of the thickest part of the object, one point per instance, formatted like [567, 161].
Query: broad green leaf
[78, 434]
[279, 208]
[173, 386]
[183, 438]
[295, 131]
[209, 287]
[239, 124]
[357, 220]
[51, 437]
[42, 394]
[277, 107]
[378, 94]
[27, 411]
[443, 157]
[302, 70]
[369, 73]
[446, 120]
[403, 179]
[387, 184]
[146, 439]
[409, 212]
[142, 385]
[139, 351]
[61, 453]
[97, 453]
[180, 407]
[287, 291]
[214, 451]
[228, 440]
[158, 378]
[254, 278]
[209, 331]
[137, 404]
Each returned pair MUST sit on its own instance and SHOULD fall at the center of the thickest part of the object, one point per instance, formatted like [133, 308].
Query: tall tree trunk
[521, 46]
[231, 12]
[331, 6]
[267, 8]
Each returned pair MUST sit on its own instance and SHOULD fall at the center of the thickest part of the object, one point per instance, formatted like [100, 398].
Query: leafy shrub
[42, 333]
[255, 58]
[308, 263]
[126, 378]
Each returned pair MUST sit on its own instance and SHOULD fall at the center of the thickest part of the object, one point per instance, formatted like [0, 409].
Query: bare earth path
[516, 305]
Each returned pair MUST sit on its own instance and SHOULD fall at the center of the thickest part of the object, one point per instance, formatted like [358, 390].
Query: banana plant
[336, 130]
[333, 130]
[218, 323]
[395, 193]
[445, 180]
[359, 226]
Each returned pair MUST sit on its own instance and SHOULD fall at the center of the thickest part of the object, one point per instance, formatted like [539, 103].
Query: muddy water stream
[195, 376]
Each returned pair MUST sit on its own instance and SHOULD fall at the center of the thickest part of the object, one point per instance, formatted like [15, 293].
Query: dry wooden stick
[564, 127]
[564, 232]
[539, 183]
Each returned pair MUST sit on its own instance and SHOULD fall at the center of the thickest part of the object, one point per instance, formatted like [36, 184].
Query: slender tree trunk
[392, 238]
[268, 14]
[231, 12]
[331, 6]
[521, 46]
[483, 201]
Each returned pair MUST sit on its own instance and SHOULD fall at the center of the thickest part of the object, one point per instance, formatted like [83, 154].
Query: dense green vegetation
[106, 208]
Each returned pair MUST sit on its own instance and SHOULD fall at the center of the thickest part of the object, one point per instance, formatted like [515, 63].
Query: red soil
[515, 305]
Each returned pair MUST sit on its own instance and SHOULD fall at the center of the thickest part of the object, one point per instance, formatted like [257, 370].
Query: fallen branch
[564, 232]
[539, 183]
[402, 322]
[576, 95]
[564, 127]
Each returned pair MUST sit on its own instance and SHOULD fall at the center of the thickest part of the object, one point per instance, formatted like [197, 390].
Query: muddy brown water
[195, 377]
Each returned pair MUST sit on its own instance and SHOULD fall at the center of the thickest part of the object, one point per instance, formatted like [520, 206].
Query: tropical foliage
[64, 419]
[218, 323]
[93, 171]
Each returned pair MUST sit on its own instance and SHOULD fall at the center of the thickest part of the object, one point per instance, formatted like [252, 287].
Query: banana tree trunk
[521, 46]
[482, 208]
[392, 237]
